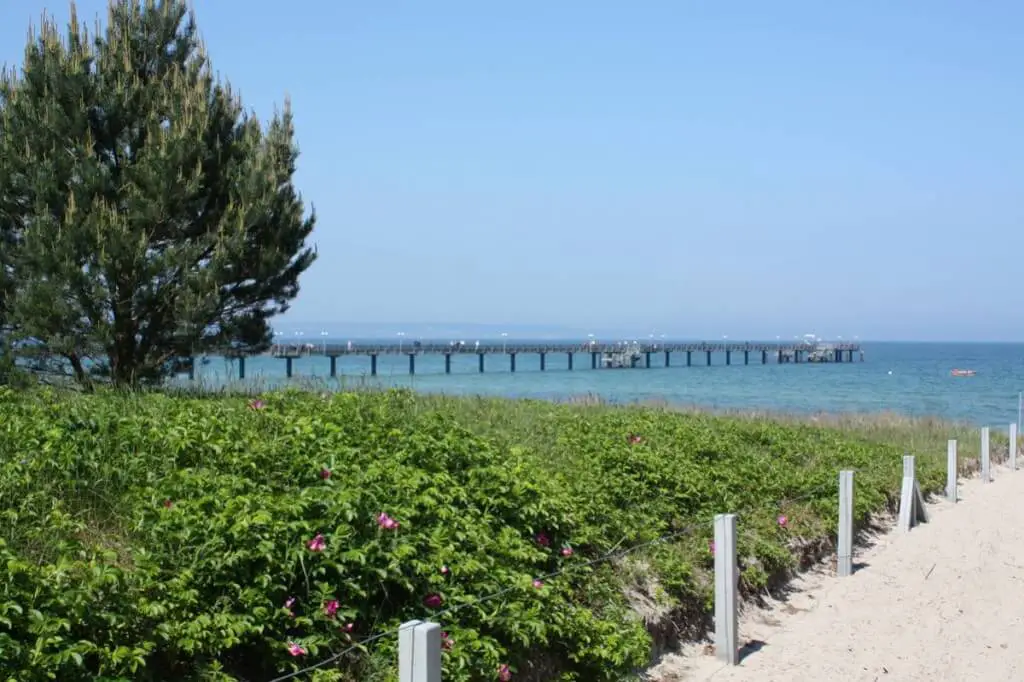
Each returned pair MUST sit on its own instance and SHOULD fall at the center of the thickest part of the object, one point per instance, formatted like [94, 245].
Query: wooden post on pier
[241, 367]
[482, 356]
[373, 365]
[668, 358]
[447, 363]
[728, 357]
[746, 357]
[593, 360]
[708, 354]
[647, 359]
[542, 356]
[570, 360]
[689, 358]
[191, 368]
[288, 367]
[412, 363]
[764, 357]
[334, 366]
[512, 362]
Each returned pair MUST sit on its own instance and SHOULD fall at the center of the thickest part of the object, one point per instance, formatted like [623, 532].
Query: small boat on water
[963, 372]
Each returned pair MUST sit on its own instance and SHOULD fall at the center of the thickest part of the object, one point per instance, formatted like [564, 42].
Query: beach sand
[942, 602]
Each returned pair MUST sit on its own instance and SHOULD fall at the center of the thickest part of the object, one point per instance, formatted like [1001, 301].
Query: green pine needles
[145, 216]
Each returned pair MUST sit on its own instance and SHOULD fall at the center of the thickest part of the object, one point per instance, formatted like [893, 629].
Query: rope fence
[420, 643]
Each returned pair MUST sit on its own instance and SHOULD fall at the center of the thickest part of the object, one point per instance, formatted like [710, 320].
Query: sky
[696, 169]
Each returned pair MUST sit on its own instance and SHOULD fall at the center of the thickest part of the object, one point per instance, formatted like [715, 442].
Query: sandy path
[944, 602]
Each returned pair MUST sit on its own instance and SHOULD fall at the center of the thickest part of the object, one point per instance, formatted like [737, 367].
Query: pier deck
[602, 355]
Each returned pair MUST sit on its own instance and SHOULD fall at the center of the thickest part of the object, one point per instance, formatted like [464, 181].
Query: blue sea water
[910, 378]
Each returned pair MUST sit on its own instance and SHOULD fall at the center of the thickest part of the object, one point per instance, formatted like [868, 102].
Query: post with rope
[419, 652]
[912, 509]
[952, 471]
[844, 549]
[1013, 446]
[986, 461]
[726, 584]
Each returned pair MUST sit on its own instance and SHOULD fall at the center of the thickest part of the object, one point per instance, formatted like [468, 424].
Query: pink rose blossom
[386, 522]
[348, 627]
[331, 607]
[168, 504]
[325, 473]
[504, 674]
[317, 544]
[711, 546]
[433, 601]
[445, 570]
[446, 642]
[538, 584]
[289, 602]
[542, 539]
[256, 404]
[783, 520]
[296, 650]
[567, 551]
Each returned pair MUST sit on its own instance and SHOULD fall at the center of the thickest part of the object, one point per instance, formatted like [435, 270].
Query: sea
[908, 378]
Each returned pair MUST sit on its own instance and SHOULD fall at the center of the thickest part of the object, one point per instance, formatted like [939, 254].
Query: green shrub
[165, 537]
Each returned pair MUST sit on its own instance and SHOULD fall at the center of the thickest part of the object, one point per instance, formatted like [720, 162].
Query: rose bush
[161, 537]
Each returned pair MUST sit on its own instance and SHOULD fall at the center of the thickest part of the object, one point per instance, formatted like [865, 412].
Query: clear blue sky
[746, 168]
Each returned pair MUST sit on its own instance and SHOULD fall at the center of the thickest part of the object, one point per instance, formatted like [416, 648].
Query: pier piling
[542, 357]
[447, 363]
[570, 359]
[373, 365]
[241, 366]
[288, 367]
[481, 356]
[512, 362]
[334, 366]
[412, 363]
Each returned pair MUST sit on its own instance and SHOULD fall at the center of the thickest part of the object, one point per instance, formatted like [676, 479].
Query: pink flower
[348, 627]
[168, 504]
[386, 522]
[258, 404]
[317, 544]
[567, 551]
[635, 439]
[433, 601]
[711, 546]
[446, 642]
[445, 570]
[289, 602]
[538, 584]
[325, 473]
[504, 674]
[331, 607]
[296, 650]
[542, 539]
[783, 520]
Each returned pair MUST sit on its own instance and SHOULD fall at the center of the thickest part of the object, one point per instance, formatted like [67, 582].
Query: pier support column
[334, 366]
[780, 357]
[647, 359]
[668, 358]
[746, 357]
[839, 356]
[570, 360]
[796, 357]
[447, 363]
[373, 365]
[512, 362]
[708, 354]
[192, 368]
[689, 358]
[728, 357]
[412, 363]
[593, 360]
[481, 362]
[288, 367]
[764, 357]
[241, 366]
[542, 363]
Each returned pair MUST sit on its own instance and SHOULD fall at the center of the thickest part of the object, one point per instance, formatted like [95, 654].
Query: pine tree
[145, 216]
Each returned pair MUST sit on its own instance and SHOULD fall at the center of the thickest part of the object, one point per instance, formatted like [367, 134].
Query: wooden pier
[602, 355]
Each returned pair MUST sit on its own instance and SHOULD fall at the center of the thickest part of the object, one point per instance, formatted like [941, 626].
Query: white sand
[942, 602]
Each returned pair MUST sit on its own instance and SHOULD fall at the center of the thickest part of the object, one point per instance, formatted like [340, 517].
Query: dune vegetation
[156, 536]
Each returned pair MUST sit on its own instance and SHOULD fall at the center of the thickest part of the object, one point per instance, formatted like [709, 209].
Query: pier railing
[433, 348]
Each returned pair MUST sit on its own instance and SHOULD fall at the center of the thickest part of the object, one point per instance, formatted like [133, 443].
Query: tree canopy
[145, 215]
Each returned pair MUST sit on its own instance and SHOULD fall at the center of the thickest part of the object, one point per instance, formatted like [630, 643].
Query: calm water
[911, 378]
